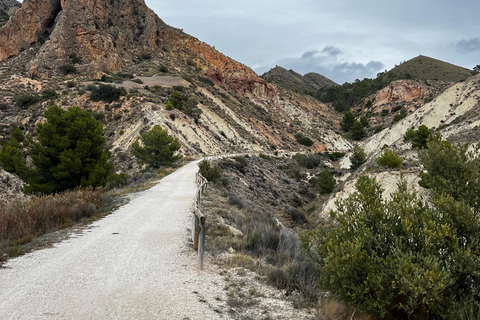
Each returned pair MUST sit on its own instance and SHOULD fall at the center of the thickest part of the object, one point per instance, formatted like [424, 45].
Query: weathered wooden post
[198, 221]
[201, 243]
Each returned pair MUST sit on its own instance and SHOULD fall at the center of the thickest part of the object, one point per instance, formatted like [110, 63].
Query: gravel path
[133, 264]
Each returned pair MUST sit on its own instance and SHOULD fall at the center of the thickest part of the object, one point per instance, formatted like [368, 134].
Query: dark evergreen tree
[69, 152]
[451, 169]
[418, 137]
[158, 148]
[357, 158]
[326, 182]
[348, 121]
[356, 132]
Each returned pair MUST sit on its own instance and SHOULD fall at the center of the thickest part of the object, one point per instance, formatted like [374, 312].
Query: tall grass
[40, 215]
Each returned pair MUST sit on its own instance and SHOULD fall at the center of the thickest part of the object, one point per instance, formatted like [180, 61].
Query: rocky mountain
[291, 80]
[66, 48]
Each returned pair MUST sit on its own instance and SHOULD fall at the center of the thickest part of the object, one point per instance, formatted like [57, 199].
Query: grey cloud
[331, 51]
[357, 70]
[309, 54]
[326, 63]
[469, 45]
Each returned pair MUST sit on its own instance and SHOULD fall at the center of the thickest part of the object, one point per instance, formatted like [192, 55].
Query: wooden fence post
[198, 222]
[201, 243]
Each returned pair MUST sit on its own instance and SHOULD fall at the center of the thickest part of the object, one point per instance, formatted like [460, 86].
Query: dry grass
[30, 218]
[331, 309]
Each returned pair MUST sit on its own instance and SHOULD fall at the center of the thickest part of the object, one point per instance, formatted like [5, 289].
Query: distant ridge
[426, 68]
[292, 80]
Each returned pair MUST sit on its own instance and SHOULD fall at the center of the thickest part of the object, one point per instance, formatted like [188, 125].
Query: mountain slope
[61, 46]
[426, 68]
[292, 80]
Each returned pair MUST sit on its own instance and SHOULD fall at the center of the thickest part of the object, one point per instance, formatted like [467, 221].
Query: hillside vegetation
[426, 68]
[421, 68]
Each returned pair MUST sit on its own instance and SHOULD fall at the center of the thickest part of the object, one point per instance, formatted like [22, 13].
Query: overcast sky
[343, 40]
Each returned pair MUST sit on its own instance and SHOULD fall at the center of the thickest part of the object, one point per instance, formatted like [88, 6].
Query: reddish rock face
[26, 26]
[252, 87]
[398, 91]
[100, 32]
[216, 76]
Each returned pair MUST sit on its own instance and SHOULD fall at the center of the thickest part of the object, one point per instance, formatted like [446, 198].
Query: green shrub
[451, 169]
[390, 159]
[241, 159]
[303, 140]
[144, 56]
[11, 157]
[399, 258]
[107, 93]
[67, 69]
[188, 78]
[357, 158]
[191, 109]
[326, 182]
[335, 156]
[418, 137]
[309, 162]
[187, 105]
[48, 94]
[163, 69]
[378, 129]
[399, 116]
[209, 172]
[206, 80]
[116, 180]
[25, 100]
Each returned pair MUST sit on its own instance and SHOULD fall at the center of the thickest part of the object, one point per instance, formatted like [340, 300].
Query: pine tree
[326, 182]
[69, 152]
[158, 148]
[348, 121]
[357, 158]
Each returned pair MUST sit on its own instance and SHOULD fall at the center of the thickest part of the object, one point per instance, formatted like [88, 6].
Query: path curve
[133, 264]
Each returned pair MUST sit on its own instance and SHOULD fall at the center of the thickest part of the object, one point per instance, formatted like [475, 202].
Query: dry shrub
[241, 260]
[331, 309]
[40, 215]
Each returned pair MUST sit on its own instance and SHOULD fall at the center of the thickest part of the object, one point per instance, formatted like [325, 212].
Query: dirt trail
[133, 264]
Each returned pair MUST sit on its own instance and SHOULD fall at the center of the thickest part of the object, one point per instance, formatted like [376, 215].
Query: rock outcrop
[8, 4]
[10, 187]
[400, 91]
[101, 33]
[27, 25]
